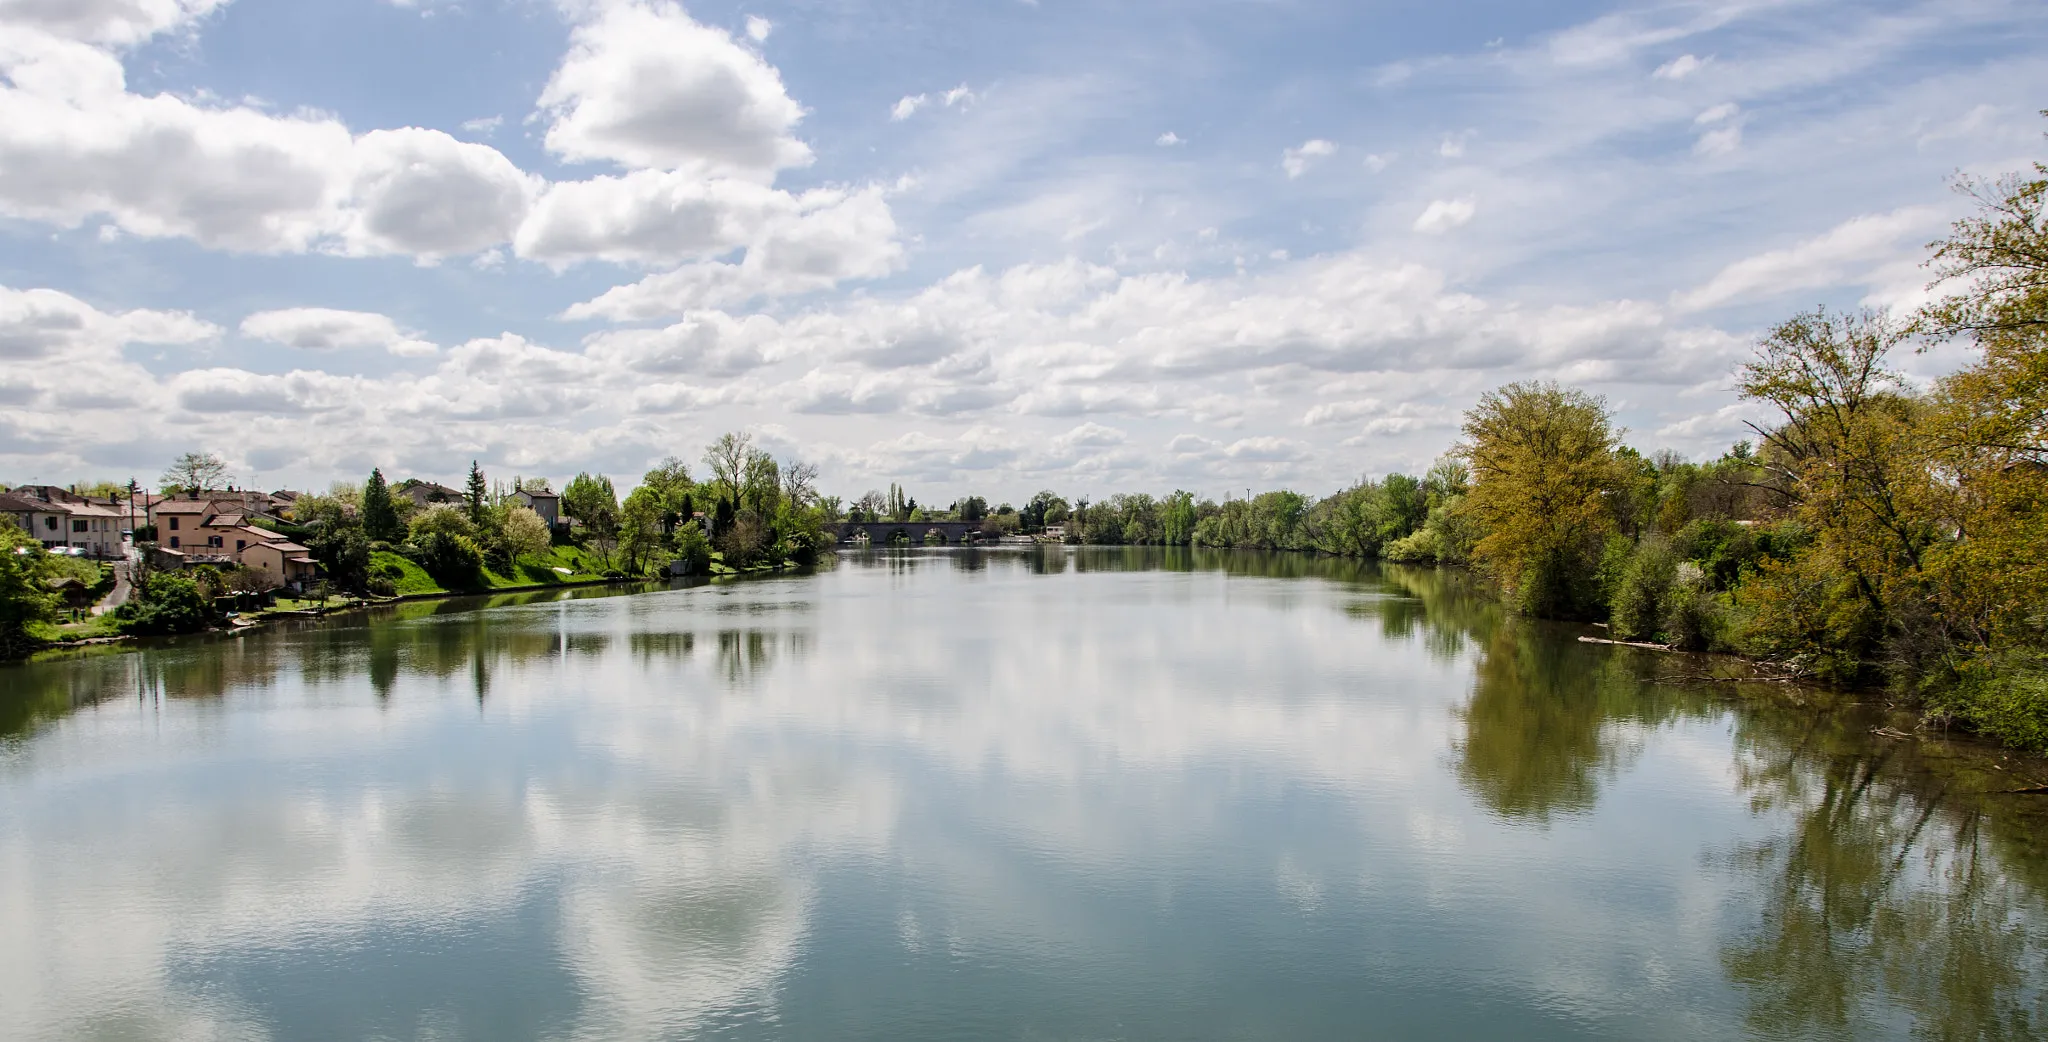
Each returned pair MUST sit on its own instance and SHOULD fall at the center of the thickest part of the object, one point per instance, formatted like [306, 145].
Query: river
[1034, 794]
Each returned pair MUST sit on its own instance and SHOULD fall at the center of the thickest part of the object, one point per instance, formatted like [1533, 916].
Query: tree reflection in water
[1899, 875]
[1894, 880]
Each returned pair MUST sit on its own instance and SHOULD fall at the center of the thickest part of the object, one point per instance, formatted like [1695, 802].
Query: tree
[525, 533]
[1849, 459]
[25, 601]
[592, 500]
[1543, 474]
[380, 516]
[669, 483]
[972, 508]
[193, 472]
[454, 561]
[799, 482]
[640, 534]
[167, 603]
[478, 494]
[727, 458]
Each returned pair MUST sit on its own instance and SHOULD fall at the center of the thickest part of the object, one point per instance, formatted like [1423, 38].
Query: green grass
[93, 626]
[531, 570]
[410, 579]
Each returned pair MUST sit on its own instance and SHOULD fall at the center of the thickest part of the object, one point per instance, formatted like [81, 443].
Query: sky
[977, 247]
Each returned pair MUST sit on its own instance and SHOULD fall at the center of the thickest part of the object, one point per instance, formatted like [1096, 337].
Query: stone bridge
[883, 532]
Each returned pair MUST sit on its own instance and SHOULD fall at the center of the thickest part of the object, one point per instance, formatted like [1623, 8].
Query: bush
[2002, 696]
[452, 560]
[692, 549]
[164, 605]
[1424, 546]
[1695, 619]
[1644, 590]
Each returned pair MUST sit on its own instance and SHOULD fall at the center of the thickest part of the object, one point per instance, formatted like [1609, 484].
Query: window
[215, 541]
[241, 544]
[174, 527]
[78, 525]
[174, 542]
[50, 523]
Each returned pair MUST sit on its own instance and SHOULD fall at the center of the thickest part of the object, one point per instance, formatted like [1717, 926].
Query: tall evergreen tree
[380, 518]
[478, 493]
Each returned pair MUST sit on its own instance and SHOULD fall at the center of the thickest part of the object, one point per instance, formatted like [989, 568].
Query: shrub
[1424, 546]
[452, 560]
[1644, 590]
[692, 549]
[165, 604]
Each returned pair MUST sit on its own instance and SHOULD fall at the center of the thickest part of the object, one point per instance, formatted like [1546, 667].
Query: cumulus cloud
[1442, 215]
[1296, 161]
[45, 324]
[327, 329]
[117, 23]
[758, 28]
[424, 193]
[1169, 139]
[650, 217]
[820, 239]
[76, 145]
[646, 86]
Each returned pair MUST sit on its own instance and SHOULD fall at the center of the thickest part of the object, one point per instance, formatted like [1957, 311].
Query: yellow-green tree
[1545, 479]
[1850, 457]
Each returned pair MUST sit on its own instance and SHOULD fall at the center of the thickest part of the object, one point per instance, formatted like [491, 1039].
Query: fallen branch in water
[1889, 732]
[2032, 790]
[1628, 644]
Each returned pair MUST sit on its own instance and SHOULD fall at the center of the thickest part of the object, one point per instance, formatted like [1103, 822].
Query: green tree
[166, 603]
[1544, 472]
[641, 539]
[380, 517]
[25, 601]
[478, 494]
[592, 500]
[1851, 458]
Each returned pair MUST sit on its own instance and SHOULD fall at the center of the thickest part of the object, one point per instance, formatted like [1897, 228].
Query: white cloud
[1442, 215]
[1296, 161]
[907, 106]
[38, 324]
[75, 144]
[645, 86]
[1849, 253]
[1680, 67]
[649, 217]
[116, 23]
[424, 193]
[1376, 163]
[822, 238]
[484, 126]
[1169, 139]
[758, 28]
[1719, 113]
[326, 329]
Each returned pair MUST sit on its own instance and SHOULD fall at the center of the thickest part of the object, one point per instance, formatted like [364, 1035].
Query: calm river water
[1035, 795]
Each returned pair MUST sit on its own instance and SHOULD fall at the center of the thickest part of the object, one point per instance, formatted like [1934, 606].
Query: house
[543, 502]
[201, 531]
[426, 493]
[287, 562]
[58, 517]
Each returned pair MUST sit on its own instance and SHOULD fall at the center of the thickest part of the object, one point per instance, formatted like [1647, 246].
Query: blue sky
[974, 247]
